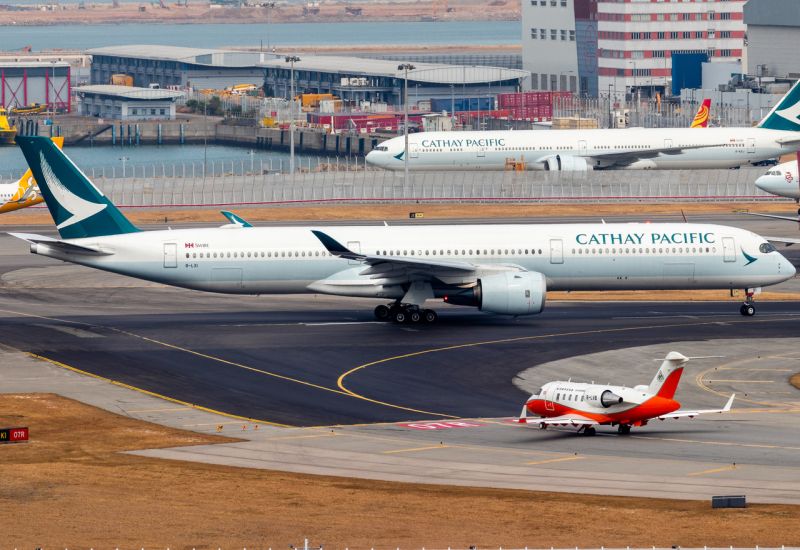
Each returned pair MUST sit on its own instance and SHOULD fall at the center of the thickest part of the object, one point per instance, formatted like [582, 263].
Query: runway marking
[71, 331]
[160, 410]
[554, 460]
[716, 443]
[236, 423]
[712, 471]
[190, 405]
[232, 364]
[417, 449]
[301, 436]
[748, 381]
[537, 337]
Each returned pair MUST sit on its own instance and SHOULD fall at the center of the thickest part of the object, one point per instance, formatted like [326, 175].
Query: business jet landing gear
[405, 313]
[624, 429]
[748, 309]
[589, 431]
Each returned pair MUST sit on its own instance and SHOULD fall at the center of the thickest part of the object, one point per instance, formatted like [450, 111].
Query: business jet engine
[512, 293]
[566, 163]
[602, 398]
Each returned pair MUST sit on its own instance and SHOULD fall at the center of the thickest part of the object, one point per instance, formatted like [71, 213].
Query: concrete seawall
[173, 133]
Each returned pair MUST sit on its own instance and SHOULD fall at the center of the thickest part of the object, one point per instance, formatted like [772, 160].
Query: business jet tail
[79, 209]
[786, 114]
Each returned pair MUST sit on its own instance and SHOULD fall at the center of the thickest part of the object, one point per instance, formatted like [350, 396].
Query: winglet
[335, 247]
[727, 406]
[523, 416]
[234, 219]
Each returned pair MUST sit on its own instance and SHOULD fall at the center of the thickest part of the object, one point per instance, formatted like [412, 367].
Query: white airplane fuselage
[782, 180]
[724, 148]
[638, 256]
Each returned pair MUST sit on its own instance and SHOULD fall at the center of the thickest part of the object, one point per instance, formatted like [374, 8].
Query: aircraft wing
[632, 155]
[337, 249]
[789, 242]
[64, 246]
[574, 420]
[795, 219]
[692, 414]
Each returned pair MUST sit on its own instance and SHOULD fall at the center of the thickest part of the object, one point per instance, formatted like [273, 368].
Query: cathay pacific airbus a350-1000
[502, 269]
[582, 150]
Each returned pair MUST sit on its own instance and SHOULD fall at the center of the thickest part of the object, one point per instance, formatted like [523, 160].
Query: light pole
[609, 107]
[291, 59]
[452, 106]
[270, 5]
[54, 93]
[405, 67]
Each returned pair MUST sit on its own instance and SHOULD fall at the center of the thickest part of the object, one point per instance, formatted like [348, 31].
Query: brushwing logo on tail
[791, 113]
[79, 208]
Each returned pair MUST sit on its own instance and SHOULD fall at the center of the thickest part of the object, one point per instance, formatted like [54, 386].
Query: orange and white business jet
[23, 193]
[585, 406]
[701, 118]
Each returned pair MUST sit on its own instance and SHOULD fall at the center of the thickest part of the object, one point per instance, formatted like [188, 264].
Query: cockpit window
[766, 248]
[539, 391]
[381, 148]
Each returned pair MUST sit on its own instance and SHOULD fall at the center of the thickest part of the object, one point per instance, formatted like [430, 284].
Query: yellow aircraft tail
[28, 191]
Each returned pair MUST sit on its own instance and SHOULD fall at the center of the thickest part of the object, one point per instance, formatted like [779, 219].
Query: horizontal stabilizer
[64, 246]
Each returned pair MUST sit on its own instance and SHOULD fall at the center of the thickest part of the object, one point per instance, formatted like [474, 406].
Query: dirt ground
[795, 380]
[402, 211]
[69, 488]
[201, 12]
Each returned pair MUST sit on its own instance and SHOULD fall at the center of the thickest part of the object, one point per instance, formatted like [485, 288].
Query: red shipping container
[545, 110]
[531, 98]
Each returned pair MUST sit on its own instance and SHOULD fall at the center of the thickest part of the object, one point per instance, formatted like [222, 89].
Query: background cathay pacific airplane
[581, 150]
[782, 180]
[500, 269]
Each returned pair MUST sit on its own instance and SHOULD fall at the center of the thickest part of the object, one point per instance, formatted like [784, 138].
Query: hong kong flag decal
[440, 425]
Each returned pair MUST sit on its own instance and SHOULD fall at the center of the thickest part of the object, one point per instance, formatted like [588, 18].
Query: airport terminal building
[350, 78]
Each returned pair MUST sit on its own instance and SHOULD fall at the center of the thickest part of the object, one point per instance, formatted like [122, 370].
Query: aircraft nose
[767, 184]
[372, 158]
[791, 270]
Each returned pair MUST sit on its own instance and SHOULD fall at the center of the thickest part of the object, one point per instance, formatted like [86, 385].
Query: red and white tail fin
[701, 119]
[666, 380]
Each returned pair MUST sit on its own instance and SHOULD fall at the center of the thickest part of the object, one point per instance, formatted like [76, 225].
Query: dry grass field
[431, 211]
[70, 488]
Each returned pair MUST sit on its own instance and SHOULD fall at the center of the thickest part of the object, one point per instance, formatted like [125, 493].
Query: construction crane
[449, 9]
[26, 49]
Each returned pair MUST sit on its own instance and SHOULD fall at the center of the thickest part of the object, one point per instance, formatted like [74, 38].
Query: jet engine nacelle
[602, 398]
[566, 163]
[513, 293]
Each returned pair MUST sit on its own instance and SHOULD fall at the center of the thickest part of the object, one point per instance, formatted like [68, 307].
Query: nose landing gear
[748, 308]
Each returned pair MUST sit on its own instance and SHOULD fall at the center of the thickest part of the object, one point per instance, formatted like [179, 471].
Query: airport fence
[187, 185]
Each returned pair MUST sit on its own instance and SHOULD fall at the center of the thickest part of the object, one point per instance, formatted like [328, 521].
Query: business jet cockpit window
[766, 248]
[381, 148]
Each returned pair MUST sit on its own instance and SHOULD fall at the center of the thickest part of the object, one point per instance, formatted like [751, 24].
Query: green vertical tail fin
[786, 114]
[79, 209]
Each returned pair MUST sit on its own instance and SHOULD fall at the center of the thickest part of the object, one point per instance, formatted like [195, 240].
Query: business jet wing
[337, 249]
[574, 420]
[692, 414]
[63, 246]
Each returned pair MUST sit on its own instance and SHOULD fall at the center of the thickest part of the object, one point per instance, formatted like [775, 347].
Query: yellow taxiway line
[417, 449]
[554, 460]
[712, 471]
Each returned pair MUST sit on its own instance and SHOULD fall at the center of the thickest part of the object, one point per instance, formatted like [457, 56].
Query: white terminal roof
[438, 73]
[128, 92]
[197, 56]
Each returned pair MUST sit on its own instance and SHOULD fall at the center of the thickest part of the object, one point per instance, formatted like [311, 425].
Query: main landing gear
[624, 429]
[589, 431]
[748, 309]
[405, 313]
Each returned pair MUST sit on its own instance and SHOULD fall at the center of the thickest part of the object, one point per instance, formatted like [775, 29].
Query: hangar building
[45, 83]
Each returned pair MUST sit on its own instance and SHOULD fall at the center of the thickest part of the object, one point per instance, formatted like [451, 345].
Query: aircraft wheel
[623, 429]
[400, 316]
[590, 431]
[415, 316]
[382, 313]
[748, 310]
[542, 426]
[429, 316]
